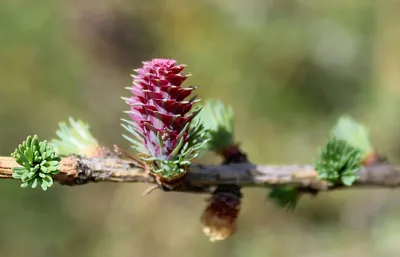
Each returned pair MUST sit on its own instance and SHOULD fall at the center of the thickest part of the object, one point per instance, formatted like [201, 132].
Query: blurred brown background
[289, 68]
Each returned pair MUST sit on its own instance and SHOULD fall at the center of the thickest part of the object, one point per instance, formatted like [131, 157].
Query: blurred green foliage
[288, 68]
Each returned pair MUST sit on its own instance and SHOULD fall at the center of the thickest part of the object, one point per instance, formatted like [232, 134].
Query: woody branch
[76, 170]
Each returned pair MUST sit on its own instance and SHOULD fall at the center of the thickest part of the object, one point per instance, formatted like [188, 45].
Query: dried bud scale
[161, 128]
[219, 219]
[102, 152]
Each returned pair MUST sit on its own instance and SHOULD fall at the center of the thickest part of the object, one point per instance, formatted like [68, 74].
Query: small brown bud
[219, 218]
[100, 152]
[373, 158]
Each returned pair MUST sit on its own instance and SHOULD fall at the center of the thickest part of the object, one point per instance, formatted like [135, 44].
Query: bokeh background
[289, 68]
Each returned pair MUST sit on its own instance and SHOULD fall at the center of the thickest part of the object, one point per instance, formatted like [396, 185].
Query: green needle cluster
[74, 137]
[39, 162]
[339, 161]
[285, 196]
[219, 119]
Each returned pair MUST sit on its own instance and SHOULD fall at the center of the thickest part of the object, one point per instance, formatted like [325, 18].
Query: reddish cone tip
[161, 118]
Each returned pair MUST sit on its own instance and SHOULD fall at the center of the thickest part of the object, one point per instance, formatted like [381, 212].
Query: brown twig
[76, 170]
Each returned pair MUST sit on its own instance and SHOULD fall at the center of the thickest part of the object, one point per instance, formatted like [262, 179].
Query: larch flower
[161, 128]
